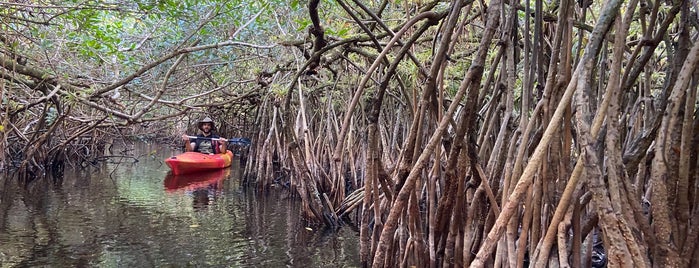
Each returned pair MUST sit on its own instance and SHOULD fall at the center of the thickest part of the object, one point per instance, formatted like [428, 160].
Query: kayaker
[206, 142]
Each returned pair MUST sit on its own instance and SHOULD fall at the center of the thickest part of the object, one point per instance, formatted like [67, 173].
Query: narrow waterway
[128, 213]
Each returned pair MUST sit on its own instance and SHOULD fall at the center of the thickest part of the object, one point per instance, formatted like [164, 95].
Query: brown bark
[667, 247]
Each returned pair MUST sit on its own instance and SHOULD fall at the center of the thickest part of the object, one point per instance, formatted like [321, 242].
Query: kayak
[194, 181]
[191, 162]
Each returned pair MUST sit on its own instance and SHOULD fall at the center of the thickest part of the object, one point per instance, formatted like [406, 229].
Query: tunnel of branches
[450, 133]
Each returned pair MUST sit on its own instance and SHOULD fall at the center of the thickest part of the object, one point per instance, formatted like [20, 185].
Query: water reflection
[194, 181]
[136, 215]
[204, 187]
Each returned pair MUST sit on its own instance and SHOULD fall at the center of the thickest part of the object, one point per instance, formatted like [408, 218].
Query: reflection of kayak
[191, 162]
[193, 181]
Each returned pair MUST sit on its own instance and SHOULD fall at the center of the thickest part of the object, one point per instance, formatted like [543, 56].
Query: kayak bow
[191, 162]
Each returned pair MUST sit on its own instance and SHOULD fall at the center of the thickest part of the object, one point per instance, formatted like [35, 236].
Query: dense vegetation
[452, 133]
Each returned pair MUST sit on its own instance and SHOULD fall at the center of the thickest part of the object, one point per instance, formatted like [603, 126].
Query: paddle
[237, 141]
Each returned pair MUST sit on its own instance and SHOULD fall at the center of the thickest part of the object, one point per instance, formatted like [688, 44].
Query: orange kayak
[191, 162]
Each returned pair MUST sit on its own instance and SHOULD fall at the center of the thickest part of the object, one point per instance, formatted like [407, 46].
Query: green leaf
[303, 24]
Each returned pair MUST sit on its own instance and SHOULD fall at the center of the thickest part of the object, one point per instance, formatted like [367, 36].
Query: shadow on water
[139, 215]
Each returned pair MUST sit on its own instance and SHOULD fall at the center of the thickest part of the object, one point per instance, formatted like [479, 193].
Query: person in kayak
[207, 142]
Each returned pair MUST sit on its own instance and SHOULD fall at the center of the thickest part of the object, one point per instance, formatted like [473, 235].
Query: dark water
[136, 215]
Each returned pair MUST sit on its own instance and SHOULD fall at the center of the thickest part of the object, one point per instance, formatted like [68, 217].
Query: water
[136, 215]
